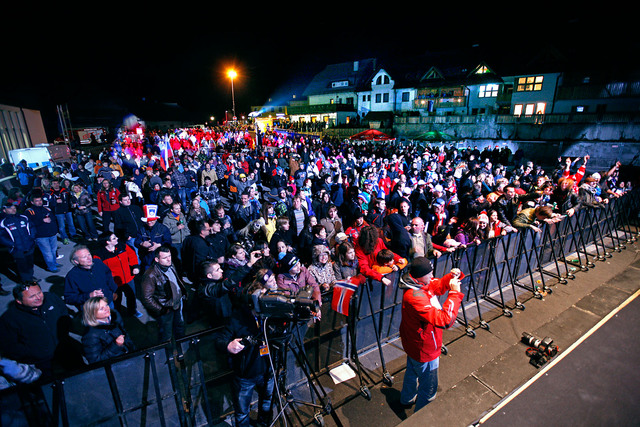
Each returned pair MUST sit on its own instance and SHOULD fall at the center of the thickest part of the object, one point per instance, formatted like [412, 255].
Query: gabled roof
[358, 79]
[442, 68]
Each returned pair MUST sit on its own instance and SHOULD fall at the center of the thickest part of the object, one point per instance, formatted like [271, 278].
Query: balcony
[319, 109]
[434, 103]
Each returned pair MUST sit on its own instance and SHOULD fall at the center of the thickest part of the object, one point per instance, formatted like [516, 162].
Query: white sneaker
[60, 256]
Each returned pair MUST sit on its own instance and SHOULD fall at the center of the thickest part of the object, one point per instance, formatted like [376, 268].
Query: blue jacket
[80, 282]
[18, 234]
[37, 214]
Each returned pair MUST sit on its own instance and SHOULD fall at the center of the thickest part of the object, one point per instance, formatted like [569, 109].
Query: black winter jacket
[99, 342]
[31, 336]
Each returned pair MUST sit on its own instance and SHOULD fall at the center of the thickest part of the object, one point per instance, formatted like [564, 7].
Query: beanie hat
[420, 267]
[288, 261]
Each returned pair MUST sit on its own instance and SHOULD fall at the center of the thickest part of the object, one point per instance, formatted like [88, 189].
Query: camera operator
[249, 358]
[423, 320]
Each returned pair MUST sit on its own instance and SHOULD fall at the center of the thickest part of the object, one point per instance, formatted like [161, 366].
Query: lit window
[528, 110]
[529, 84]
[540, 107]
[517, 110]
[488, 91]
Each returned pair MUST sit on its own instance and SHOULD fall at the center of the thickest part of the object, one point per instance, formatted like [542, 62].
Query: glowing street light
[231, 73]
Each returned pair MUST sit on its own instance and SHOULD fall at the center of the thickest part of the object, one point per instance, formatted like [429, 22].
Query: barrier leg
[456, 261]
[352, 322]
[500, 276]
[386, 376]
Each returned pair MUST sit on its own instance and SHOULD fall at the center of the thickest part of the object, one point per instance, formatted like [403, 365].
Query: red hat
[150, 213]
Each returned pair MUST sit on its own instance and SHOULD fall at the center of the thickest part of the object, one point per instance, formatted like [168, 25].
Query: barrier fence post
[505, 241]
[352, 322]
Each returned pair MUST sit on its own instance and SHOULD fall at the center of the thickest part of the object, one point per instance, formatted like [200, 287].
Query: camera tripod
[289, 341]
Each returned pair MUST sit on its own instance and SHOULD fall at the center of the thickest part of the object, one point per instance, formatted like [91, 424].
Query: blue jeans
[420, 382]
[184, 199]
[86, 224]
[66, 220]
[48, 247]
[243, 392]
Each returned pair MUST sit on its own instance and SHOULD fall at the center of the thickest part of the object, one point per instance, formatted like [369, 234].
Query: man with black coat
[250, 358]
[196, 250]
[60, 204]
[163, 295]
[509, 202]
[215, 291]
[34, 329]
[46, 227]
[128, 220]
[217, 239]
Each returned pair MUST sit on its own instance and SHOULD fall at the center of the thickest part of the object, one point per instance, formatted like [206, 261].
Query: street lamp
[232, 75]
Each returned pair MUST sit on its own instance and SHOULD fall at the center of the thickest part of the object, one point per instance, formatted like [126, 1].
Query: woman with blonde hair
[106, 337]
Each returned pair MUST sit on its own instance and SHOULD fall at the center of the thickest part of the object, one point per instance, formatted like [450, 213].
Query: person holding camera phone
[249, 354]
[423, 320]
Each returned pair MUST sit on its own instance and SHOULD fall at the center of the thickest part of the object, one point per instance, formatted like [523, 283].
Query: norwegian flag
[343, 292]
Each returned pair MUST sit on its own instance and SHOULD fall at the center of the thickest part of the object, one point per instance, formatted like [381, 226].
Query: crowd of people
[192, 218]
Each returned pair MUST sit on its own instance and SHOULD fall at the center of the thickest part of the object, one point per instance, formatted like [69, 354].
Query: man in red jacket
[423, 319]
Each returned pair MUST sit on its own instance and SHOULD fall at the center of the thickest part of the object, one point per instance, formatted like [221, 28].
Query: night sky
[181, 54]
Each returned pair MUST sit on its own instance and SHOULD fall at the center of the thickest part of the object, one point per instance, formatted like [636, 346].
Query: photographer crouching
[243, 341]
[423, 320]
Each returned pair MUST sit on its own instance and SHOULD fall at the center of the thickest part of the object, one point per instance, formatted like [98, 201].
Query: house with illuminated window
[534, 94]
[332, 95]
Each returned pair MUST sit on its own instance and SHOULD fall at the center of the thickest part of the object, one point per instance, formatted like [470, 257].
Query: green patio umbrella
[435, 135]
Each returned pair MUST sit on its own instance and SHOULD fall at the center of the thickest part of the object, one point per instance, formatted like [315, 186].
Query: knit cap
[420, 267]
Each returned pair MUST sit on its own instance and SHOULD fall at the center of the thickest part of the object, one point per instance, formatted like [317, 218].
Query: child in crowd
[385, 264]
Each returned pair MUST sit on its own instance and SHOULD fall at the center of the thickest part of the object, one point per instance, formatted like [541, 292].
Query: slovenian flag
[164, 152]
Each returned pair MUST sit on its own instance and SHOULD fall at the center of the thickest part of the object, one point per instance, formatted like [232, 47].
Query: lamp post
[232, 75]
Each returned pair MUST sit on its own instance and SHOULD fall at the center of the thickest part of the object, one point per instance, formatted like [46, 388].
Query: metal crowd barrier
[188, 383]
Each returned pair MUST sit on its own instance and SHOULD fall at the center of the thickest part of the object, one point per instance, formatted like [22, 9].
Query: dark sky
[181, 54]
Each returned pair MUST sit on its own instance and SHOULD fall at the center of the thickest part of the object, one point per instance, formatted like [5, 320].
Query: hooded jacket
[424, 319]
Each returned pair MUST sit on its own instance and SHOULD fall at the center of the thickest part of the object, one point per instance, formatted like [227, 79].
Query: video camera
[541, 350]
[281, 306]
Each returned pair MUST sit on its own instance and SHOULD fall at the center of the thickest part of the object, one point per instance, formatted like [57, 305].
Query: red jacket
[121, 262]
[423, 320]
[108, 201]
[366, 262]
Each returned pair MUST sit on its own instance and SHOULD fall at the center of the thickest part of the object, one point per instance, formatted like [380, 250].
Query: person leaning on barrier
[423, 320]
[531, 217]
[564, 199]
[242, 340]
